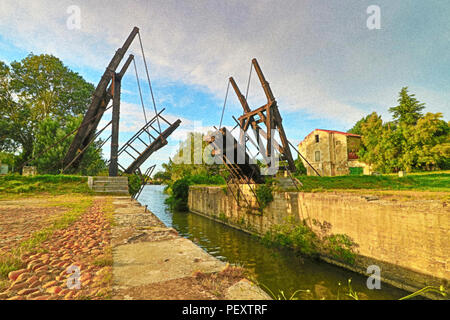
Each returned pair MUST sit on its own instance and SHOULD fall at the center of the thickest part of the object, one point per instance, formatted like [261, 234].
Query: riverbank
[406, 238]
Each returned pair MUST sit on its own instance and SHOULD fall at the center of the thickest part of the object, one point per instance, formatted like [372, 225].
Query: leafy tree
[50, 132]
[179, 199]
[427, 144]
[371, 130]
[409, 110]
[10, 137]
[161, 175]
[412, 142]
[37, 88]
[357, 127]
[189, 159]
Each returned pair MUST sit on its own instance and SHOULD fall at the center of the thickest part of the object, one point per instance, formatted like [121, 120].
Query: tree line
[412, 141]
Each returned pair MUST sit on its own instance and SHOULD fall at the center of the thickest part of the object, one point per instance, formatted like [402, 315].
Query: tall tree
[356, 129]
[427, 144]
[408, 110]
[412, 142]
[32, 90]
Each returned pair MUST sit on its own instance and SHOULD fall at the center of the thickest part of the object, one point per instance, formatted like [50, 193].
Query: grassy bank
[420, 181]
[52, 184]
[414, 182]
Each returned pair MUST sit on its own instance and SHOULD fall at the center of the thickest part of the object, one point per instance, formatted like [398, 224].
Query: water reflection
[277, 269]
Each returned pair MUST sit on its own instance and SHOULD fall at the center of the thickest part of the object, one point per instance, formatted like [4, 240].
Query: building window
[317, 138]
[317, 156]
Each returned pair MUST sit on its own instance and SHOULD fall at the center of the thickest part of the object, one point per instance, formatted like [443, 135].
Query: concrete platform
[152, 261]
[149, 262]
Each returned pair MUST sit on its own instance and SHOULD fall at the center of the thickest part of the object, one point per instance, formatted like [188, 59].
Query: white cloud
[318, 56]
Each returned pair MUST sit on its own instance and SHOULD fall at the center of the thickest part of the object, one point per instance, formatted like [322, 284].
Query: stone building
[332, 153]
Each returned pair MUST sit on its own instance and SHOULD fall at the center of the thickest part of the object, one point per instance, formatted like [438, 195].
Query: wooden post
[114, 164]
[98, 97]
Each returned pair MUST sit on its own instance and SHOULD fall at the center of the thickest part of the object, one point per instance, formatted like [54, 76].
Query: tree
[409, 110]
[413, 141]
[161, 176]
[35, 89]
[189, 159]
[371, 130]
[427, 144]
[50, 132]
[357, 127]
[10, 137]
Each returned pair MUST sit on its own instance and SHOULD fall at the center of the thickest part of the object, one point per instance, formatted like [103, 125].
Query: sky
[327, 69]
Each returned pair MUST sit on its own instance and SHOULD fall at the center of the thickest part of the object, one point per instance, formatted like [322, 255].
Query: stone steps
[116, 185]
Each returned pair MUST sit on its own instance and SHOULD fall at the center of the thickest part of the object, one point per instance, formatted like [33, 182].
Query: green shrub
[203, 179]
[179, 197]
[264, 195]
[294, 235]
[178, 190]
[340, 246]
[301, 238]
[134, 183]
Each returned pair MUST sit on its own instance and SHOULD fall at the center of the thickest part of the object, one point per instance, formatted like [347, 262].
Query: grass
[103, 261]
[438, 181]
[77, 205]
[8, 263]
[52, 184]
[414, 182]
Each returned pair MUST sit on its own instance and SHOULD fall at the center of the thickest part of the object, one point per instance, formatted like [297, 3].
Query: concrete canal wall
[408, 240]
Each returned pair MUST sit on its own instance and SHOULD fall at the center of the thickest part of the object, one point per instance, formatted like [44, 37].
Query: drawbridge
[107, 96]
[265, 123]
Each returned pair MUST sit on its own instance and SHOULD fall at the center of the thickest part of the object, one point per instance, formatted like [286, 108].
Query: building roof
[332, 131]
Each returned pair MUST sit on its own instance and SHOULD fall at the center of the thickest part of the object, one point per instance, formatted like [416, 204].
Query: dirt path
[82, 248]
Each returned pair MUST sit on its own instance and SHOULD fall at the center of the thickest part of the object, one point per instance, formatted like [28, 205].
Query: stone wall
[409, 240]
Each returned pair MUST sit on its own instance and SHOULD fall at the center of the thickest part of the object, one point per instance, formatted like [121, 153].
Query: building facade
[332, 153]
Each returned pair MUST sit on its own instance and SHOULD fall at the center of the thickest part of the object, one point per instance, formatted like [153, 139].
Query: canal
[273, 268]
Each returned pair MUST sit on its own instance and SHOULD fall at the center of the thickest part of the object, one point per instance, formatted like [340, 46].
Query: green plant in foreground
[354, 295]
[340, 246]
[350, 293]
[281, 295]
[9, 263]
[299, 236]
[440, 290]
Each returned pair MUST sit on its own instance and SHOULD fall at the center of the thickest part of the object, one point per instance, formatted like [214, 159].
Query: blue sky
[326, 68]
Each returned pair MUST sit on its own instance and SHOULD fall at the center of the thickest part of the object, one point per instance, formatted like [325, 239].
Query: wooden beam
[157, 144]
[114, 164]
[97, 98]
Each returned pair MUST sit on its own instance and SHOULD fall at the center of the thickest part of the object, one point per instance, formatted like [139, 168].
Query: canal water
[274, 269]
